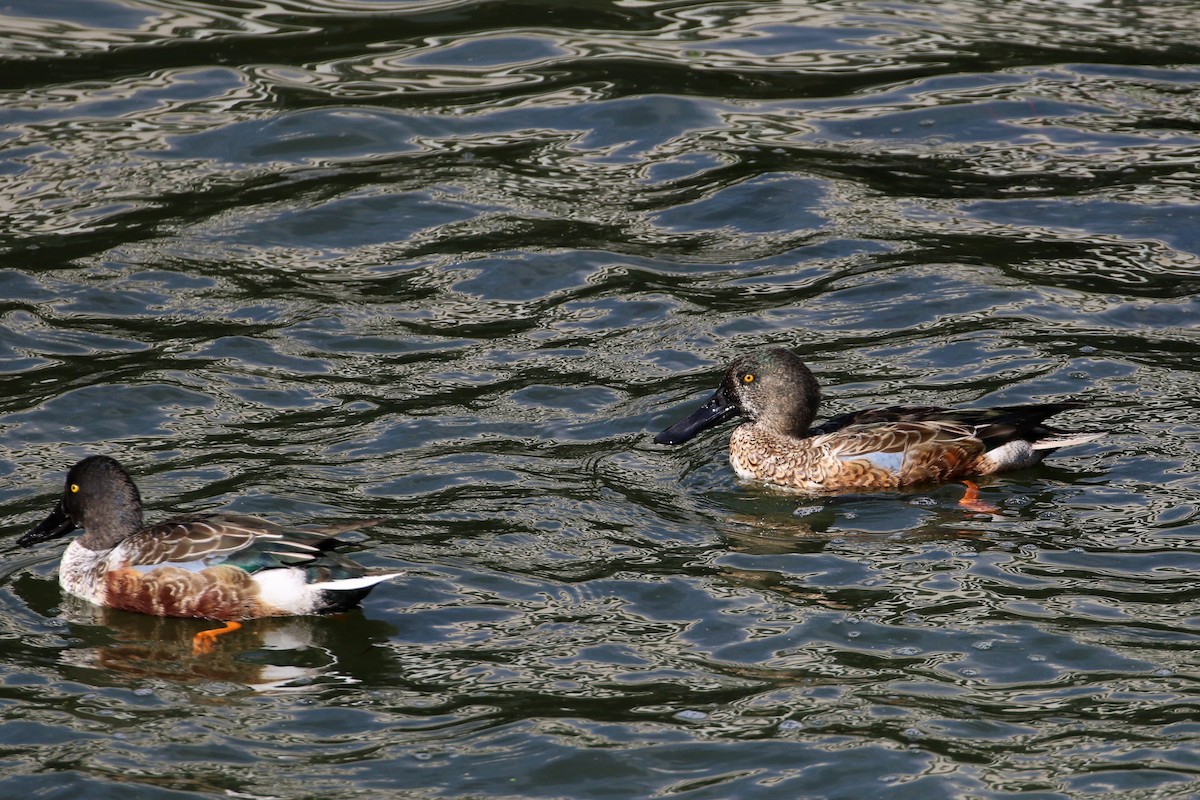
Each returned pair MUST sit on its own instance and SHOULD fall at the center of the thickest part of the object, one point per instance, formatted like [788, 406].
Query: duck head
[772, 388]
[100, 497]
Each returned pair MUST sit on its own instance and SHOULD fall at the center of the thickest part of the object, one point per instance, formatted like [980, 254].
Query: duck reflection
[269, 654]
[868, 518]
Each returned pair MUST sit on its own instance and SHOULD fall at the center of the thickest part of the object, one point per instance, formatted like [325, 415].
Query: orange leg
[204, 641]
[970, 500]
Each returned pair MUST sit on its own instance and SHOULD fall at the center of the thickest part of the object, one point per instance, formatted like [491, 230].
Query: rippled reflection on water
[450, 263]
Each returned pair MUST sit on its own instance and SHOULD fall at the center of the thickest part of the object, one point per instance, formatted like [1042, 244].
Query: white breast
[81, 572]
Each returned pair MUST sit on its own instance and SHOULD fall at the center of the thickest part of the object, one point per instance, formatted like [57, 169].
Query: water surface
[453, 263]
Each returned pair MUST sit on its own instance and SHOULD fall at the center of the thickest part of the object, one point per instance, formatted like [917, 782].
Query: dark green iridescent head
[100, 497]
[773, 388]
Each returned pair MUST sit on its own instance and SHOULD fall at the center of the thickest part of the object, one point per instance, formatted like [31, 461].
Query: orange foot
[970, 500]
[204, 641]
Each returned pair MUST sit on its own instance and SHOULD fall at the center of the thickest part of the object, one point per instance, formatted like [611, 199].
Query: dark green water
[452, 263]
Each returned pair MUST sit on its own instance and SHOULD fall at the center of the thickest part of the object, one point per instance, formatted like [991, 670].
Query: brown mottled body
[222, 592]
[910, 453]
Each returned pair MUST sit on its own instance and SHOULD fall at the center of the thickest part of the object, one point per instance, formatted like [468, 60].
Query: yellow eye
[74, 488]
[748, 377]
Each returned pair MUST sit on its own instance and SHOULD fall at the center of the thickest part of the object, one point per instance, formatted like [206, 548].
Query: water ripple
[449, 262]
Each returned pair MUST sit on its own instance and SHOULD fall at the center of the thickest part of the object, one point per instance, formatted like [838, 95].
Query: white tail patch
[350, 584]
[1016, 454]
[1065, 440]
[1019, 453]
[288, 589]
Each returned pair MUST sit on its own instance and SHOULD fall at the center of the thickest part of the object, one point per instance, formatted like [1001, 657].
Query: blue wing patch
[190, 566]
[890, 462]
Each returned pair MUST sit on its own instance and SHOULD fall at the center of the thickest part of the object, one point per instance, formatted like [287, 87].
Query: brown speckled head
[775, 390]
[771, 387]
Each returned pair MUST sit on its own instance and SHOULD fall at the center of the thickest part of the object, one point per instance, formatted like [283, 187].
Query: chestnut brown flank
[221, 592]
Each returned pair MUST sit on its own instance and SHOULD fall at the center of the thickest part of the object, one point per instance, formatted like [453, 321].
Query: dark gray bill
[719, 408]
[56, 525]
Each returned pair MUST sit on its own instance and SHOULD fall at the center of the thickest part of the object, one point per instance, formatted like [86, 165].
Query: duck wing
[878, 416]
[993, 426]
[924, 443]
[998, 426]
[865, 440]
[251, 543]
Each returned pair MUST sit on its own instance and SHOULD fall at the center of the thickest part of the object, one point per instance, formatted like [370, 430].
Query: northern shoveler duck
[882, 448]
[218, 566]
